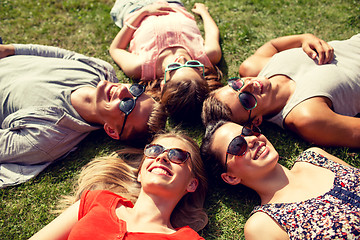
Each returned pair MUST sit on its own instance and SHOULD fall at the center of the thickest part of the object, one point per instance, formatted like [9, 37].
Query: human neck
[169, 55]
[83, 100]
[282, 88]
[271, 186]
[150, 214]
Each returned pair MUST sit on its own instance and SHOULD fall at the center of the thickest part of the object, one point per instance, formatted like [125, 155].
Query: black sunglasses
[246, 99]
[126, 105]
[238, 145]
[175, 155]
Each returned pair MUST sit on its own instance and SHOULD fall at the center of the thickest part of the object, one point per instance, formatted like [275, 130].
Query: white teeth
[111, 93]
[261, 150]
[159, 171]
[258, 84]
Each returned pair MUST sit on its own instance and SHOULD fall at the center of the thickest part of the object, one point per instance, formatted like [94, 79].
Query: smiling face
[259, 157]
[108, 97]
[257, 86]
[160, 176]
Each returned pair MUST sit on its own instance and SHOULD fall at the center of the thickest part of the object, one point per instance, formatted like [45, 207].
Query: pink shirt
[157, 33]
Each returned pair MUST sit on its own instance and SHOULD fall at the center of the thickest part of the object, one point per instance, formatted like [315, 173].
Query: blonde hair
[118, 173]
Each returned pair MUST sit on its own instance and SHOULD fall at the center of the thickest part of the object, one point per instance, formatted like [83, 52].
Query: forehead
[223, 136]
[230, 98]
[186, 73]
[136, 122]
[172, 142]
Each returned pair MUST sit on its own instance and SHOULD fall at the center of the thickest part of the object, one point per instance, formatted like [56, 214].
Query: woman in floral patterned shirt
[318, 198]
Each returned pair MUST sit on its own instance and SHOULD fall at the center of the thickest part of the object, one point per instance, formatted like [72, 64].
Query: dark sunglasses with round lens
[175, 155]
[238, 144]
[246, 99]
[126, 105]
[190, 63]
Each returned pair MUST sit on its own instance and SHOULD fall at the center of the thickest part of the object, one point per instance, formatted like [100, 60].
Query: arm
[128, 62]
[6, 50]
[312, 46]
[261, 226]
[212, 45]
[328, 155]
[38, 50]
[61, 226]
[316, 122]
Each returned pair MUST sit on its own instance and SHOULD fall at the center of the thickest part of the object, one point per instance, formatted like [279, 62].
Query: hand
[199, 8]
[315, 47]
[6, 50]
[158, 9]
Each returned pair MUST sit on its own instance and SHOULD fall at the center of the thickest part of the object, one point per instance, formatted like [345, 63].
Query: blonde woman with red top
[161, 199]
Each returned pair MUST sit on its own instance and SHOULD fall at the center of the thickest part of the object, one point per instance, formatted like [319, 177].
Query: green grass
[86, 27]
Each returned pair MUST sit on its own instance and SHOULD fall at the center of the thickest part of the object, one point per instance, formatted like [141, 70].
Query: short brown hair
[155, 123]
[212, 159]
[214, 110]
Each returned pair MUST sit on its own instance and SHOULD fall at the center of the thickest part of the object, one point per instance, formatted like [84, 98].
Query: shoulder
[327, 155]
[253, 65]
[187, 233]
[101, 195]
[262, 226]
[105, 198]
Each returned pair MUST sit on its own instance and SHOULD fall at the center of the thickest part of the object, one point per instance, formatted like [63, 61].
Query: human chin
[103, 91]
[270, 149]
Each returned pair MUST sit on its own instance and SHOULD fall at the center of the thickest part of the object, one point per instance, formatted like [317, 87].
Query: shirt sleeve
[45, 51]
[87, 197]
[104, 68]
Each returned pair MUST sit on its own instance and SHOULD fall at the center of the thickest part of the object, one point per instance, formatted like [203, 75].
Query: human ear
[257, 120]
[162, 84]
[230, 179]
[192, 185]
[139, 177]
[111, 131]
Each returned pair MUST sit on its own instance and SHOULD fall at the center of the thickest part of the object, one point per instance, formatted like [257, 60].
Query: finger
[329, 53]
[310, 52]
[320, 53]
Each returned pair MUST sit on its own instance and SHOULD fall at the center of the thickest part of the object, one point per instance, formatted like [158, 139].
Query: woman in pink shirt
[161, 45]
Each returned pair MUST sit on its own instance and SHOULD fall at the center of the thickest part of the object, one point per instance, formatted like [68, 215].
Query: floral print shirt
[333, 215]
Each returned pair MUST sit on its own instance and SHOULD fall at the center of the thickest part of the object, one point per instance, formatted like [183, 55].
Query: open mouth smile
[161, 170]
[260, 151]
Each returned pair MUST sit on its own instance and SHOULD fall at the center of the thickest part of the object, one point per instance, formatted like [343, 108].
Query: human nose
[251, 141]
[162, 157]
[124, 92]
[181, 60]
[248, 85]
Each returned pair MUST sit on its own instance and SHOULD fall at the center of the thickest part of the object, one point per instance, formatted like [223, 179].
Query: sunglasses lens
[136, 89]
[153, 150]
[236, 84]
[256, 131]
[237, 146]
[247, 100]
[249, 130]
[177, 155]
[127, 105]
[193, 63]
[173, 66]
